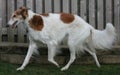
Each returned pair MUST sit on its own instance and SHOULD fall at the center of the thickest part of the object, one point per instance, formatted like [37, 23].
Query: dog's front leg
[31, 48]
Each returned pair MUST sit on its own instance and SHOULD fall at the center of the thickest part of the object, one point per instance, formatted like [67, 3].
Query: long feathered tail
[104, 39]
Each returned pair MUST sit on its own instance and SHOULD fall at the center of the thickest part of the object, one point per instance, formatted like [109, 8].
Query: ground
[37, 69]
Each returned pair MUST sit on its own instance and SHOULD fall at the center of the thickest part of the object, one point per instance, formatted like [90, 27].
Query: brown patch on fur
[36, 23]
[67, 18]
[23, 11]
[45, 14]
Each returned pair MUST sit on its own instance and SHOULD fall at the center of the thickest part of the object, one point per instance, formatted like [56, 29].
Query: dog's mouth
[14, 24]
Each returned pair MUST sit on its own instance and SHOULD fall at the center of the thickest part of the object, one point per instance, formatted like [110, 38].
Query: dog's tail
[103, 39]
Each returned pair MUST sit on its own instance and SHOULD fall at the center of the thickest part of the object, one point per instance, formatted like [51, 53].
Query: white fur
[81, 37]
[106, 37]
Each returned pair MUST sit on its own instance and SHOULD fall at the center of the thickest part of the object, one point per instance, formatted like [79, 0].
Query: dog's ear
[23, 12]
[36, 22]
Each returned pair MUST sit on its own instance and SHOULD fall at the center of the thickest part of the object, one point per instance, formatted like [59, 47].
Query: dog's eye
[14, 15]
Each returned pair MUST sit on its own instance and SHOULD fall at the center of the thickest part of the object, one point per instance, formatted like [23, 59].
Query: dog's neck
[30, 15]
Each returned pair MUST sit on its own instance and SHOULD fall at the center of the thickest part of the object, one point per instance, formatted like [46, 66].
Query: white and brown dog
[53, 27]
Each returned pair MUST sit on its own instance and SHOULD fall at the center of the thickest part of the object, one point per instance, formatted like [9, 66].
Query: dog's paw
[64, 68]
[20, 69]
[98, 66]
[58, 66]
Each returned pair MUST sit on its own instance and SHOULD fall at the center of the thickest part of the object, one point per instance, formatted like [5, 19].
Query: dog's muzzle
[14, 24]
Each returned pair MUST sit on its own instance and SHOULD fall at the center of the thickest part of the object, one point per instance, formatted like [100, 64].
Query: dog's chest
[39, 37]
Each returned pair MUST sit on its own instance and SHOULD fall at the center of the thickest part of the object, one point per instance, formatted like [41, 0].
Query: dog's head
[18, 16]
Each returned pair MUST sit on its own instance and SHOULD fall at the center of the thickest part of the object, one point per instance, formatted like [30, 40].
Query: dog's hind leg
[31, 49]
[94, 56]
[51, 53]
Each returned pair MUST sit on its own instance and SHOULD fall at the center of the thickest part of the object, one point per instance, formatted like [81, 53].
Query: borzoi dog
[53, 27]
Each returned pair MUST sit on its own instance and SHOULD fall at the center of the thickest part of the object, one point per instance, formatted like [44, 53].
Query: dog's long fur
[53, 27]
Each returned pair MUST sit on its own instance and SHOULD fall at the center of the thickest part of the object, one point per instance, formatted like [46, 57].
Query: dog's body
[52, 28]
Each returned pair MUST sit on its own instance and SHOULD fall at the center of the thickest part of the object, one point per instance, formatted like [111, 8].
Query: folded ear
[36, 22]
[23, 11]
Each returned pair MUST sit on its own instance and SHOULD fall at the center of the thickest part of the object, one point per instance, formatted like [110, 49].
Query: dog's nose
[7, 25]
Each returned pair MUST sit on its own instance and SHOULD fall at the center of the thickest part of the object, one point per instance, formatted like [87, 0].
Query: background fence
[96, 12]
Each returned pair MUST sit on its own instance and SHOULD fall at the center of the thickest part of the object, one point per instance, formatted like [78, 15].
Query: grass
[35, 69]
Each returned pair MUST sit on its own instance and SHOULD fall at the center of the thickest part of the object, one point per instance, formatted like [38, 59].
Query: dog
[51, 28]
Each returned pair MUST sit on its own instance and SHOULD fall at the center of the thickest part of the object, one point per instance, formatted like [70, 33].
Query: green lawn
[35, 69]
